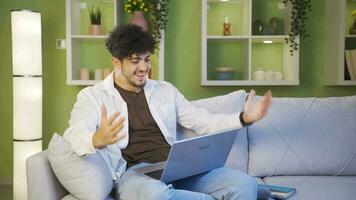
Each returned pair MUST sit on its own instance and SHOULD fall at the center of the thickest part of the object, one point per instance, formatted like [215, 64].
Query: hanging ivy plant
[158, 18]
[299, 11]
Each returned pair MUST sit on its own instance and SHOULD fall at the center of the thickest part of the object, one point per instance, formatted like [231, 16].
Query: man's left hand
[254, 111]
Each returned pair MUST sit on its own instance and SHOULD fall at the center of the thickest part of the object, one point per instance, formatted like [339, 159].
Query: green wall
[182, 66]
[58, 98]
[183, 56]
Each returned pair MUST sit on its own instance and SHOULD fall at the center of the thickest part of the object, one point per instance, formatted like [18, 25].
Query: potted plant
[95, 20]
[137, 9]
[299, 11]
[157, 10]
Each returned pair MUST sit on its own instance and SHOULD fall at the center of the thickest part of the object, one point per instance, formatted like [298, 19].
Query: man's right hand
[108, 132]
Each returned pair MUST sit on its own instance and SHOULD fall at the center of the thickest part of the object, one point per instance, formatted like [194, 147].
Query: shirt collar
[111, 90]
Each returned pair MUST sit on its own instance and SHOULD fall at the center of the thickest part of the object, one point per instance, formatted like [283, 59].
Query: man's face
[134, 71]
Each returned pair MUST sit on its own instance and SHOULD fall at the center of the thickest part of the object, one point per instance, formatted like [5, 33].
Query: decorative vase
[224, 73]
[259, 75]
[274, 26]
[269, 75]
[226, 29]
[138, 18]
[258, 28]
[95, 29]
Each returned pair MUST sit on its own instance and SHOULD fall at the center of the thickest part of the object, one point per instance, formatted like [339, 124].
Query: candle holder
[226, 29]
[84, 74]
[98, 75]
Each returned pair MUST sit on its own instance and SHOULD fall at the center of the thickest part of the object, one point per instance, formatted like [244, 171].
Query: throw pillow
[85, 177]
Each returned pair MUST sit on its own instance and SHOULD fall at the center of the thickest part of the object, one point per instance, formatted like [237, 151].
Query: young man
[131, 121]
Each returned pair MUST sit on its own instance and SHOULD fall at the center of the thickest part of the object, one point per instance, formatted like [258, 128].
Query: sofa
[305, 143]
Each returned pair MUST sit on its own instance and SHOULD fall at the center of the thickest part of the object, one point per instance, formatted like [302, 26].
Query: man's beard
[133, 83]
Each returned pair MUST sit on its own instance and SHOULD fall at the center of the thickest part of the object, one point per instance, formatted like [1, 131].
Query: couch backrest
[305, 136]
[230, 103]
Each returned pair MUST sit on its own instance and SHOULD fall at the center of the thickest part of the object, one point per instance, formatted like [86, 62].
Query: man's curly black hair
[130, 39]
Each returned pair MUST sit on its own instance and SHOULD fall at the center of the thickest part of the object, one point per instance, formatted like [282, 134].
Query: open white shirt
[167, 105]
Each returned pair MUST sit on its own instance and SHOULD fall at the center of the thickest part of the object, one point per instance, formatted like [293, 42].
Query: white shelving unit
[242, 50]
[81, 45]
[338, 39]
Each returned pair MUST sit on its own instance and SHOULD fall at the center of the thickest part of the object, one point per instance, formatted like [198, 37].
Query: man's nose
[144, 66]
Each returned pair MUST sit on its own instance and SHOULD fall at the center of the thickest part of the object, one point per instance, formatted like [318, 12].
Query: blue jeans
[222, 183]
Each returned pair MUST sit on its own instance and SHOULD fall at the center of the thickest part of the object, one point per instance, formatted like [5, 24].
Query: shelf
[79, 15]
[272, 15]
[227, 37]
[233, 59]
[273, 38]
[235, 12]
[82, 82]
[89, 37]
[349, 82]
[90, 54]
[231, 53]
[338, 40]
[85, 50]
[248, 83]
[276, 38]
[350, 36]
[89, 51]
[263, 57]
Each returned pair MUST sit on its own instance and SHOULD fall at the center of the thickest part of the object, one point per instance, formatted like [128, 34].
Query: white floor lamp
[27, 93]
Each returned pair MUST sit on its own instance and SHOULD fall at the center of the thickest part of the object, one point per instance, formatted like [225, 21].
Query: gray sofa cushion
[305, 136]
[85, 177]
[318, 187]
[228, 104]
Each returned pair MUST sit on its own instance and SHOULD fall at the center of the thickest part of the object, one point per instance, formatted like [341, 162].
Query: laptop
[192, 156]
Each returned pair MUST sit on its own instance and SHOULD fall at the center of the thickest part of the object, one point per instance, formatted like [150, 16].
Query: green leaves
[158, 17]
[300, 8]
[157, 10]
[136, 5]
[95, 15]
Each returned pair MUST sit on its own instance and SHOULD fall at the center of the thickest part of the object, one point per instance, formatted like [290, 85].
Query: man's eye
[135, 62]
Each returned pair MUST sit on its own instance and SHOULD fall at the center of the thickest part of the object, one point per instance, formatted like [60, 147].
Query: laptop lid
[198, 155]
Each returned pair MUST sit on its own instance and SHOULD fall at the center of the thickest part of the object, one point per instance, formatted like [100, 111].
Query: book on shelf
[350, 58]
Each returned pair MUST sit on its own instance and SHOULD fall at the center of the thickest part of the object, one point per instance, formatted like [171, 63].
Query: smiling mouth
[140, 75]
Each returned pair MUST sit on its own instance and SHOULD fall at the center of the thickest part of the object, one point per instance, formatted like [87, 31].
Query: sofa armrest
[42, 184]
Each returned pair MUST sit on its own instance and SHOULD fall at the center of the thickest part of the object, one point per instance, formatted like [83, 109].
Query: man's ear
[116, 62]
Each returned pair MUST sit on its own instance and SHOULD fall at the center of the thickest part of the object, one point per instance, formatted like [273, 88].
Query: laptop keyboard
[155, 174]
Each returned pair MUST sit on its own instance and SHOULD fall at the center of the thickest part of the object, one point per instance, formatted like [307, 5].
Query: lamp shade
[27, 104]
[26, 43]
[27, 93]
[23, 150]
